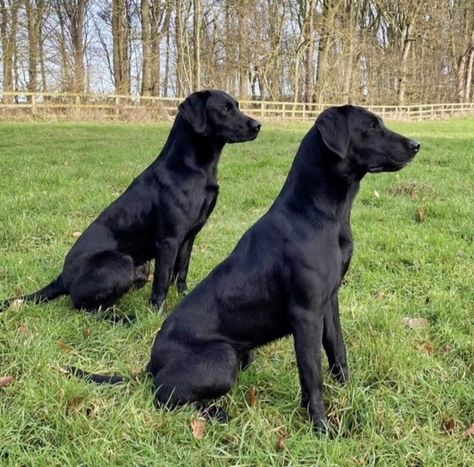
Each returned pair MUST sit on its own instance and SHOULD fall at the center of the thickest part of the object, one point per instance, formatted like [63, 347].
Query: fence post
[117, 106]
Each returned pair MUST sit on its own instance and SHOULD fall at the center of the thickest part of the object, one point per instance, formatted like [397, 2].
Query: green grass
[55, 178]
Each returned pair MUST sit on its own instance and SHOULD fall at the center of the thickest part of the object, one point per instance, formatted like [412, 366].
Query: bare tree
[197, 44]
[35, 10]
[121, 31]
[366, 51]
[155, 18]
[8, 28]
[71, 16]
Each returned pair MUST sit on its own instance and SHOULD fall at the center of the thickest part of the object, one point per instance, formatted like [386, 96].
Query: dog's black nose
[414, 146]
[256, 125]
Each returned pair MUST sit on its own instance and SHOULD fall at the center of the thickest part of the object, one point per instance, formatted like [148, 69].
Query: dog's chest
[205, 206]
[346, 247]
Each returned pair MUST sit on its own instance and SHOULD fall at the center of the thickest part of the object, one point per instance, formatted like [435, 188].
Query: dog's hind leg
[99, 280]
[197, 378]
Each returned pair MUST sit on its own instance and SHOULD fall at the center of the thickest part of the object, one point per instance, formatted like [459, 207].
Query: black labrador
[159, 214]
[283, 276]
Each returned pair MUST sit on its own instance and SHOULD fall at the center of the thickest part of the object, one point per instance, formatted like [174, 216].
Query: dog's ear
[193, 110]
[334, 129]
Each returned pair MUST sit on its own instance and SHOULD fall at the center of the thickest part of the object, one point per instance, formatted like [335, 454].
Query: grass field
[411, 397]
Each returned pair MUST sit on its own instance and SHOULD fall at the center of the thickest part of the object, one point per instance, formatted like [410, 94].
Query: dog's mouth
[242, 139]
[392, 167]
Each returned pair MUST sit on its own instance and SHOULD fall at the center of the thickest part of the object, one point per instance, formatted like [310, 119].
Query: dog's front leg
[333, 342]
[182, 264]
[165, 258]
[307, 329]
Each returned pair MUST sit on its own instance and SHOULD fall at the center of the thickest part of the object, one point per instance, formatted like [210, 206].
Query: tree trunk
[464, 71]
[467, 91]
[77, 36]
[331, 8]
[147, 84]
[243, 50]
[197, 45]
[309, 40]
[408, 39]
[180, 66]
[402, 78]
[121, 45]
[8, 29]
[351, 39]
[167, 63]
[35, 11]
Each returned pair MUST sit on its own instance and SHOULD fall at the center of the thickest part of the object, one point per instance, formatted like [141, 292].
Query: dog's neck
[319, 183]
[185, 147]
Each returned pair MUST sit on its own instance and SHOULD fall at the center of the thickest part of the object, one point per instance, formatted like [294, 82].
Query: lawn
[411, 397]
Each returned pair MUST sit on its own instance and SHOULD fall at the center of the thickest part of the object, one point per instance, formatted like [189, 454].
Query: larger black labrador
[283, 276]
[159, 214]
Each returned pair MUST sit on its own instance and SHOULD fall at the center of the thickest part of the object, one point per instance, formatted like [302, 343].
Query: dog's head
[361, 140]
[216, 114]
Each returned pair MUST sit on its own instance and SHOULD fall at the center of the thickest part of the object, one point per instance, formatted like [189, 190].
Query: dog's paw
[182, 287]
[321, 426]
[246, 359]
[341, 373]
[216, 413]
[157, 301]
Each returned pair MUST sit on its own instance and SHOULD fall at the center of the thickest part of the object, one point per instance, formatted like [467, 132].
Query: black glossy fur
[159, 214]
[284, 275]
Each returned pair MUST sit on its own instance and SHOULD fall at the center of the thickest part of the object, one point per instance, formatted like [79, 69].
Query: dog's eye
[227, 108]
[373, 125]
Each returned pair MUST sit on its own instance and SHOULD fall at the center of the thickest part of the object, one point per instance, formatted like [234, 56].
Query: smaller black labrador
[159, 214]
[283, 276]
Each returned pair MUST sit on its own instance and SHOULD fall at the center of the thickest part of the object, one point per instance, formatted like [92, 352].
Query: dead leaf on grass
[76, 234]
[447, 348]
[376, 194]
[90, 411]
[23, 328]
[17, 304]
[280, 443]
[74, 405]
[448, 425]
[150, 277]
[198, 425]
[334, 420]
[427, 347]
[6, 381]
[87, 332]
[252, 396]
[64, 347]
[469, 433]
[379, 294]
[416, 323]
[421, 214]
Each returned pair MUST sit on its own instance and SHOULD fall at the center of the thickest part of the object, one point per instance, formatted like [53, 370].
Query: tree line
[321, 51]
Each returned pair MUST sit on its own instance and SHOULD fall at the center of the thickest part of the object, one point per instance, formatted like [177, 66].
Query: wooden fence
[97, 106]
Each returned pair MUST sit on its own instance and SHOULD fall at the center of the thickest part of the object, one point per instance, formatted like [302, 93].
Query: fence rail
[67, 105]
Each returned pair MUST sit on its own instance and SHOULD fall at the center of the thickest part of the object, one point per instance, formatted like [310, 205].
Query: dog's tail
[53, 290]
[95, 378]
